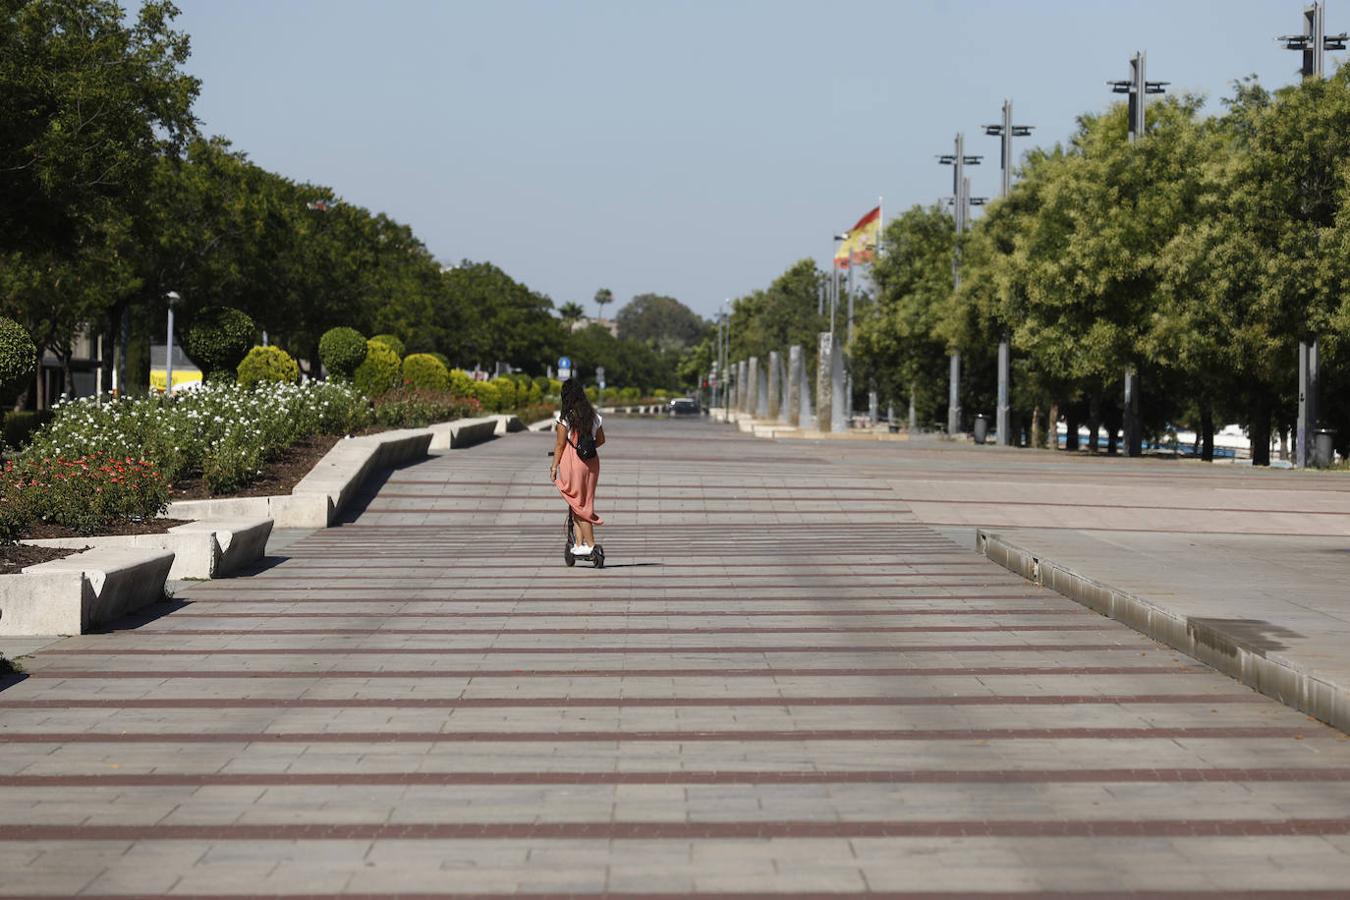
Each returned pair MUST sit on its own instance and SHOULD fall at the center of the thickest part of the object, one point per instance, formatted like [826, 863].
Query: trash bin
[981, 429]
[1323, 454]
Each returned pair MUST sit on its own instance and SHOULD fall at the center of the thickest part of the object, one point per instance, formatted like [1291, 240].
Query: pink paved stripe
[624, 614]
[777, 672]
[691, 736]
[239, 595]
[707, 895]
[619, 702]
[887, 776]
[586, 651]
[1013, 828]
[1100, 625]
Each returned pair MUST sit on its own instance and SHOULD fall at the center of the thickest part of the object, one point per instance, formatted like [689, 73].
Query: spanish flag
[861, 244]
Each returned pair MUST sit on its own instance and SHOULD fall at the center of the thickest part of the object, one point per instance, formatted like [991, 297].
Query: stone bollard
[839, 386]
[793, 403]
[752, 387]
[781, 377]
[742, 381]
[774, 400]
[824, 390]
[806, 417]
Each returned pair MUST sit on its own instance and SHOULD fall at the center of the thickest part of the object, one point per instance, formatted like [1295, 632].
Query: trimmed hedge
[18, 357]
[425, 372]
[218, 340]
[379, 372]
[392, 342]
[342, 350]
[268, 364]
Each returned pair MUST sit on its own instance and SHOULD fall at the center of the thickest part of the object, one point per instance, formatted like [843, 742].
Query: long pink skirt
[576, 481]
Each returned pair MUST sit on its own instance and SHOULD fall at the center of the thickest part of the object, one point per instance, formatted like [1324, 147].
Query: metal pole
[168, 356]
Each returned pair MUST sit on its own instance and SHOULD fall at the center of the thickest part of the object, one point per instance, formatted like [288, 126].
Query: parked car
[684, 406]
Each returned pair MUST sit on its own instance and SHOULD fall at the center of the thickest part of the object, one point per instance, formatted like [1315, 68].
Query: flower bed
[82, 494]
[411, 407]
[223, 433]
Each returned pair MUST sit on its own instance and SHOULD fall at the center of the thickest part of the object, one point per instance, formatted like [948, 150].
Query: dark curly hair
[577, 411]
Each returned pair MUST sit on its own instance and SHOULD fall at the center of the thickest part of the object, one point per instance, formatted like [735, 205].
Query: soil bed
[279, 475]
[42, 530]
[14, 557]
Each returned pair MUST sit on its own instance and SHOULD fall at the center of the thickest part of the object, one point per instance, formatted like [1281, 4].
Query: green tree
[781, 315]
[661, 322]
[603, 297]
[900, 345]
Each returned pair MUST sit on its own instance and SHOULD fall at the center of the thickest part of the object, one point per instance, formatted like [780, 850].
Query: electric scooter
[597, 555]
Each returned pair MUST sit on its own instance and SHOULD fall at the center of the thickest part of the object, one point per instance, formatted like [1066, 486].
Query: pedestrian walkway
[783, 682]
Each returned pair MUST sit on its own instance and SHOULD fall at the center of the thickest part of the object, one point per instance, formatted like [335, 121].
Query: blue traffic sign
[564, 362]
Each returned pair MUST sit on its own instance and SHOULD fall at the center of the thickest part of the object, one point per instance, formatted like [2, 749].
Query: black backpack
[585, 446]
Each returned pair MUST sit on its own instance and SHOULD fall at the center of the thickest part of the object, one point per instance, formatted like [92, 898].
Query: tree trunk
[1094, 422]
[1260, 432]
[40, 398]
[1052, 427]
[1284, 444]
[1037, 435]
[1112, 420]
[1071, 422]
[1207, 432]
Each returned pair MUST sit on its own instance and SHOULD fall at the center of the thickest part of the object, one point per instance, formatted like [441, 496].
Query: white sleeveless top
[559, 420]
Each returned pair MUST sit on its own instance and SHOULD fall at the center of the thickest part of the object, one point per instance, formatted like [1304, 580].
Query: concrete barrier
[208, 549]
[1281, 679]
[321, 495]
[71, 595]
[463, 432]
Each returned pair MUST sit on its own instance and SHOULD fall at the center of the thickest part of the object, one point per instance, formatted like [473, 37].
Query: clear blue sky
[689, 148]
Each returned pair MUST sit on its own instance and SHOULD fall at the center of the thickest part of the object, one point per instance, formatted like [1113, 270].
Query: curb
[201, 550]
[1277, 678]
[68, 596]
[463, 432]
[321, 495]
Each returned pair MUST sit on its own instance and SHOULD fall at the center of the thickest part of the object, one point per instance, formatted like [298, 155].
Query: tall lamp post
[1138, 87]
[173, 298]
[1005, 131]
[1313, 44]
[962, 201]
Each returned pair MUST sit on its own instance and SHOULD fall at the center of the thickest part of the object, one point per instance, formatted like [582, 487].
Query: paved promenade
[784, 682]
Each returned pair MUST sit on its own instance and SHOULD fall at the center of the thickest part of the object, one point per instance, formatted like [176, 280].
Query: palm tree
[603, 296]
[571, 313]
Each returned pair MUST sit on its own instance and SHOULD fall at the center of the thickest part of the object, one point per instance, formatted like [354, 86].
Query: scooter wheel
[598, 555]
[568, 559]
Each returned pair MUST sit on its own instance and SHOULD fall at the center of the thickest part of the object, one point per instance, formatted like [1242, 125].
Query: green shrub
[379, 372]
[443, 359]
[506, 394]
[217, 341]
[20, 425]
[392, 342]
[554, 388]
[487, 395]
[461, 382]
[593, 394]
[18, 358]
[425, 372]
[341, 350]
[533, 395]
[410, 407]
[271, 364]
[629, 395]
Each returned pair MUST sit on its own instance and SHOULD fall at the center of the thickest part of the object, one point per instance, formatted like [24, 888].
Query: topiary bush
[507, 397]
[379, 372]
[218, 340]
[342, 350]
[461, 383]
[18, 357]
[392, 342]
[444, 360]
[487, 395]
[271, 364]
[425, 372]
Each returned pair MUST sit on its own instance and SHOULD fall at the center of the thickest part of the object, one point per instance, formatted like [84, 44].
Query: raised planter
[508, 425]
[71, 595]
[209, 549]
[321, 495]
[465, 432]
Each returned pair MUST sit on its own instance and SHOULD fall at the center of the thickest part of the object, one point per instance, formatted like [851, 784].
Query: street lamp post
[1138, 87]
[961, 203]
[1005, 131]
[1313, 44]
[173, 299]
